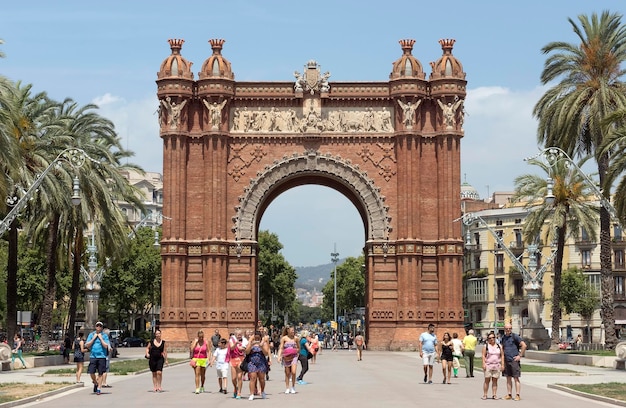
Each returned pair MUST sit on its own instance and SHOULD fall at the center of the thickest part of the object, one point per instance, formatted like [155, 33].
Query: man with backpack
[514, 348]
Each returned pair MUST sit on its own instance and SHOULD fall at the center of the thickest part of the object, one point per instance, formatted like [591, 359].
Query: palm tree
[23, 119]
[570, 211]
[572, 111]
[101, 183]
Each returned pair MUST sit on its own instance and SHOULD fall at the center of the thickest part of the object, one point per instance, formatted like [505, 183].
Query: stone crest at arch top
[391, 147]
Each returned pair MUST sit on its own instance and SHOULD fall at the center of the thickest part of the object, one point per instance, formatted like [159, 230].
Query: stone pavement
[391, 378]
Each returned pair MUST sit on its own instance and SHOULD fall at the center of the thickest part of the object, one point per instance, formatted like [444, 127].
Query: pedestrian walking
[446, 351]
[221, 365]
[427, 344]
[257, 352]
[156, 353]
[79, 355]
[199, 351]
[457, 353]
[305, 353]
[469, 345]
[288, 357]
[359, 341]
[98, 344]
[16, 352]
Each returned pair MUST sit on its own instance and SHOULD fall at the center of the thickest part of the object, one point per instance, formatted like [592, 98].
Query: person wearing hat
[98, 343]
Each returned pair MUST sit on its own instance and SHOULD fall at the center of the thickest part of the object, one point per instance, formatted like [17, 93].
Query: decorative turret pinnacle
[216, 66]
[175, 65]
[407, 65]
[448, 66]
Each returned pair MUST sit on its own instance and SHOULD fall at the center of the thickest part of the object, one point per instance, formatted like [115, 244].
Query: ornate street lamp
[334, 257]
[74, 157]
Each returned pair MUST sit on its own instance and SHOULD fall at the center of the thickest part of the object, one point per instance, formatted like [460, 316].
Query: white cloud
[500, 131]
[137, 125]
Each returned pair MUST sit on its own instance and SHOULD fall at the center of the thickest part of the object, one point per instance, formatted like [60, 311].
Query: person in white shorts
[221, 366]
[427, 348]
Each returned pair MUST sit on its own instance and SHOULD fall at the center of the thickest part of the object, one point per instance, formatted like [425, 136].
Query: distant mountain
[310, 277]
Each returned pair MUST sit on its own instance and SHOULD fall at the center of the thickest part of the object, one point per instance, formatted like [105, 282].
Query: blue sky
[108, 53]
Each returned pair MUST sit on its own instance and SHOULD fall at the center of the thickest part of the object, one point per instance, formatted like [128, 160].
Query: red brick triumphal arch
[392, 148]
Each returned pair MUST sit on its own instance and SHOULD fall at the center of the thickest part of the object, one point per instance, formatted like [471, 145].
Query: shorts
[201, 362]
[495, 373]
[235, 362]
[108, 365]
[429, 358]
[512, 369]
[222, 372]
[98, 365]
[156, 364]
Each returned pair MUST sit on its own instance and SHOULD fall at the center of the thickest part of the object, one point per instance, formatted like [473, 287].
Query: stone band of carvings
[274, 120]
[378, 221]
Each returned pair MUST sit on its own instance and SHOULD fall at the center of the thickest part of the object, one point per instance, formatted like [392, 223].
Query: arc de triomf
[392, 148]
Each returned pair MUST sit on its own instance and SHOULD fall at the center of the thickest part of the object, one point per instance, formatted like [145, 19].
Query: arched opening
[311, 221]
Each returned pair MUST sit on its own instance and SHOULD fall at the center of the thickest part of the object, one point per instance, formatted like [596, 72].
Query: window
[500, 313]
[585, 256]
[617, 233]
[618, 259]
[518, 238]
[477, 262]
[500, 234]
[498, 222]
[518, 220]
[619, 285]
[478, 315]
[477, 238]
[518, 287]
[499, 263]
[500, 288]
[595, 281]
[584, 235]
[477, 290]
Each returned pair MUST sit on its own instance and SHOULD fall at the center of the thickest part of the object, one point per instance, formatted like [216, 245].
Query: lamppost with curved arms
[74, 157]
[334, 257]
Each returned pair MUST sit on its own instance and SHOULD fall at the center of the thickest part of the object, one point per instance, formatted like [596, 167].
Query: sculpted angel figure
[299, 79]
[215, 111]
[449, 112]
[324, 85]
[408, 112]
[173, 111]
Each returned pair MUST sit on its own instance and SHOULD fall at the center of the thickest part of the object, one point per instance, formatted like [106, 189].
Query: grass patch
[15, 391]
[602, 353]
[123, 367]
[615, 390]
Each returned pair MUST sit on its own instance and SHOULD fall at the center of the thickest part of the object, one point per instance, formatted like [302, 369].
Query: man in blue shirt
[427, 344]
[514, 348]
[98, 344]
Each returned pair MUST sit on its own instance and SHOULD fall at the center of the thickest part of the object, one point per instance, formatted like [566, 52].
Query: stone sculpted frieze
[272, 120]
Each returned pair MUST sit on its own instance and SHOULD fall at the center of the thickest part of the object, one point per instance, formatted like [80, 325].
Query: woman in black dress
[446, 349]
[156, 353]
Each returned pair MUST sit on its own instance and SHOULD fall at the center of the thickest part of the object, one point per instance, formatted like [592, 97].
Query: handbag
[192, 363]
[244, 363]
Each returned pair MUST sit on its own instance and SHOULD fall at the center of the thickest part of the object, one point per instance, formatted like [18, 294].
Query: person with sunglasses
[514, 348]
[493, 364]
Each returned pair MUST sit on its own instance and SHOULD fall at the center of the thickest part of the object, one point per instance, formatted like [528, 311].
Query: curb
[40, 396]
[587, 395]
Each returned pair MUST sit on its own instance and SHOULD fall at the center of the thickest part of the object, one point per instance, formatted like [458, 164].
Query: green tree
[24, 117]
[587, 87]
[133, 283]
[309, 315]
[350, 287]
[578, 295]
[570, 211]
[277, 278]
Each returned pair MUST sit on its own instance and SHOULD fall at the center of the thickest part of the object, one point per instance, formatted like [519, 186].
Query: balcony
[473, 247]
[585, 243]
[517, 247]
[499, 270]
[592, 266]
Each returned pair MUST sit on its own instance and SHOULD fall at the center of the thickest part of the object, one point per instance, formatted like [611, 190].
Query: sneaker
[224, 392]
[425, 378]
[430, 382]
[302, 382]
[98, 392]
[197, 390]
[517, 398]
[201, 389]
[238, 397]
[507, 397]
[251, 397]
[95, 387]
[263, 395]
[287, 391]
[235, 394]
[292, 390]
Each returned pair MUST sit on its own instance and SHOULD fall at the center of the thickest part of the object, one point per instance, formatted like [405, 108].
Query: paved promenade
[391, 378]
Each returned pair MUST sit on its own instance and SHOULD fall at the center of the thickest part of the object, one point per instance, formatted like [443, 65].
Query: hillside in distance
[314, 277]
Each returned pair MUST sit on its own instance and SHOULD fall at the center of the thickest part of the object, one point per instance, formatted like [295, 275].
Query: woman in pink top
[493, 364]
[200, 358]
[236, 353]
